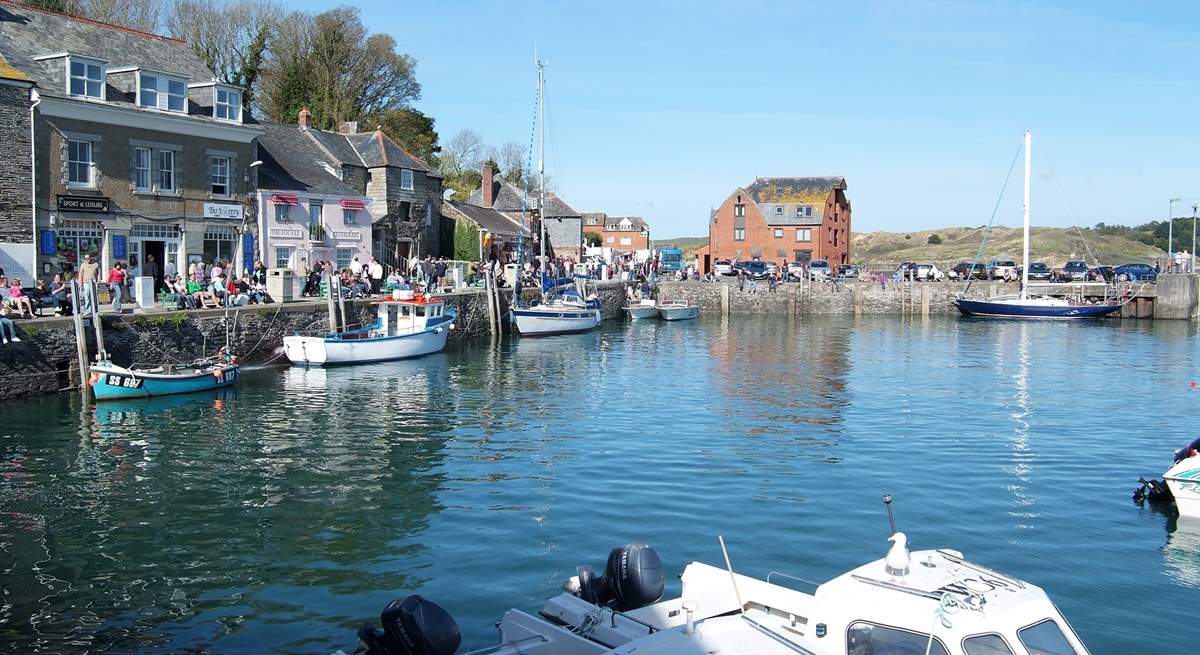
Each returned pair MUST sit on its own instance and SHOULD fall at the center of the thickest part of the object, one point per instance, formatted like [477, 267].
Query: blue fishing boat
[112, 382]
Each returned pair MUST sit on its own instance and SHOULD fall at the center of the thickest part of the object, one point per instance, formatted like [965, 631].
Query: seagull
[896, 563]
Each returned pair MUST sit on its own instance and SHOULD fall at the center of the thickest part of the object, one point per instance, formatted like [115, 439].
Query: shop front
[296, 231]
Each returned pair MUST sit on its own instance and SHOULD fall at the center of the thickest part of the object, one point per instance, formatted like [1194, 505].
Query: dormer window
[227, 105]
[86, 77]
[162, 92]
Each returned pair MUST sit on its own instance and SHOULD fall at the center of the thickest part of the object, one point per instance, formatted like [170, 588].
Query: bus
[670, 260]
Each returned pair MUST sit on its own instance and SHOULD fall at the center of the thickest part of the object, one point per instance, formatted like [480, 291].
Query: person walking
[741, 280]
[89, 275]
[150, 269]
[116, 285]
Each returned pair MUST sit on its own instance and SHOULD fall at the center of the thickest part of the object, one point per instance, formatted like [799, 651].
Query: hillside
[1051, 245]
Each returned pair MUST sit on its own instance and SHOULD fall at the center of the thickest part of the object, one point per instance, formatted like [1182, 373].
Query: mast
[1025, 212]
[542, 159]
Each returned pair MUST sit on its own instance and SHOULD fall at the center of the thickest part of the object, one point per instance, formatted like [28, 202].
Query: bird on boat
[896, 563]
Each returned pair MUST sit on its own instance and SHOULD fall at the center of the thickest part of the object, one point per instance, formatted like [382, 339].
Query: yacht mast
[1025, 212]
[542, 158]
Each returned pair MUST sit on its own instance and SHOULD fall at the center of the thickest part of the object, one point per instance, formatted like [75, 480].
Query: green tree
[412, 130]
[231, 36]
[592, 239]
[934, 239]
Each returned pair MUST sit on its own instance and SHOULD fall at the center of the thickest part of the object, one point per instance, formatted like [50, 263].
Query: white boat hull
[324, 351]
[642, 311]
[539, 321]
[1184, 481]
[679, 313]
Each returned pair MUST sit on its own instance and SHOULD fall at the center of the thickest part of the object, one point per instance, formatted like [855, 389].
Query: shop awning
[281, 199]
[352, 203]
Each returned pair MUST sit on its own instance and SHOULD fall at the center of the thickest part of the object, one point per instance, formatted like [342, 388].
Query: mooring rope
[995, 210]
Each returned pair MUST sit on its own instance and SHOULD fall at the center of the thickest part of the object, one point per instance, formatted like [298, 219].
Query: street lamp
[1171, 235]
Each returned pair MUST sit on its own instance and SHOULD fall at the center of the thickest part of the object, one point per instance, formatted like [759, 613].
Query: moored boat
[1183, 479]
[563, 309]
[643, 309]
[678, 310]
[111, 382]
[409, 326]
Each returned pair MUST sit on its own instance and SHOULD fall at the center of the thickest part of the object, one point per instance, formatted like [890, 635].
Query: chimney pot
[305, 118]
[489, 188]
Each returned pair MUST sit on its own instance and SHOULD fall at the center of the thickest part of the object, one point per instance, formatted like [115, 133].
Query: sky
[662, 109]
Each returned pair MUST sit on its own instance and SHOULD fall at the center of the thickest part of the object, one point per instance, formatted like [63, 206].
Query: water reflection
[1181, 553]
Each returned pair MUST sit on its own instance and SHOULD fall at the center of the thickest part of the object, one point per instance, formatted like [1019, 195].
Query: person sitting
[312, 285]
[58, 294]
[234, 297]
[7, 330]
[183, 299]
[19, 300]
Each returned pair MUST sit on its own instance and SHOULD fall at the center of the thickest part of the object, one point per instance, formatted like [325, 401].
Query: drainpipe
[37, 100]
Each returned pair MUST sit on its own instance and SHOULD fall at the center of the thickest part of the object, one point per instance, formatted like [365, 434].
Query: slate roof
[26, 33]
[489, 219]
[7, 72]
[293, 162]
[337, 145]
[510, 198]
[770, 193]
[377, 149]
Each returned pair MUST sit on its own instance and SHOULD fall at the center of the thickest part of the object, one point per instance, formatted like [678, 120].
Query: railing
[316, 232]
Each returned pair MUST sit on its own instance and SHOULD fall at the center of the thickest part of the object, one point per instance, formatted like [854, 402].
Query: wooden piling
[97, 326]
[341, 306]
[858, 298]
[925, 300]
[329, 304]
[80, 342]
[725, 299]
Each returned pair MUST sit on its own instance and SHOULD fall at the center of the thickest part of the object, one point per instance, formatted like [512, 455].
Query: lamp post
[1171, 235]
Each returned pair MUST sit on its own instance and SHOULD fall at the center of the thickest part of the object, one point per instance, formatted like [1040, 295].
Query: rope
[265, 332]
[988, 229]
[141, 337]
[1063, 198]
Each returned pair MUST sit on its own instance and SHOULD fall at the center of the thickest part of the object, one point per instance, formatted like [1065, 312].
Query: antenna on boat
[732, 577]
[887, 502]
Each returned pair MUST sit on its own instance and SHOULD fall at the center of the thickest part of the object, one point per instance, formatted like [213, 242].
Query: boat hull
[535, 322]
[1184, 481]
[992, 309]
[332, 350]
[639, 311]
[679, 313]
[115, 383]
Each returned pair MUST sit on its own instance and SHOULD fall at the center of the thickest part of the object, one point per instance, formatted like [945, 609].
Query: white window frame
[348, 216]
[779, 210]
[337, 257]
[162, 92]
[803, 234]
[320, 214]
[90, 183]
[778, 233]
[286, 258]
[282, 213]
[406, 179]
[163, 170]
[739, 234]
[148, 169]
[100, 64]
[739, 210]
[214, 164]
[232, 110]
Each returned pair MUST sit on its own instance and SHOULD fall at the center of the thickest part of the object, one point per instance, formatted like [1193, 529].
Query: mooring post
[925, 300]
[724, 299]
[80, 342]
[97, 326]
[341, 305]
[858, 298]
[329, 304]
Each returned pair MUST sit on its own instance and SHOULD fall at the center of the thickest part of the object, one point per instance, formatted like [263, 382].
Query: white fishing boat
[1183, 479]
[930, 601]
[567, 306]
[645, 308]
[406, 327]
[678, 310]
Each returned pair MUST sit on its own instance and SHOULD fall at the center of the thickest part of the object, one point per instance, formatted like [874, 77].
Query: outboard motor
[412, 626]
[634, 577]
[1155, 491]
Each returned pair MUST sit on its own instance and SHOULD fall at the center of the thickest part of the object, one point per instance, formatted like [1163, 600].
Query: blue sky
[663, 108]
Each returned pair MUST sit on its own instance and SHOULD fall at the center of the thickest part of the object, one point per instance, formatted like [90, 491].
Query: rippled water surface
[280, 517]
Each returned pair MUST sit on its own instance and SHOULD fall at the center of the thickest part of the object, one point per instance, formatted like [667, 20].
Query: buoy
[218, 373]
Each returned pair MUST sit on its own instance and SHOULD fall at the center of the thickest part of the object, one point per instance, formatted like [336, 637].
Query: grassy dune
[1051, 245]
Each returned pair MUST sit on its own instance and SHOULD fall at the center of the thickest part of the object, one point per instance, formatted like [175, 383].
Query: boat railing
[791, 577]
[508, 644]
[613, 624]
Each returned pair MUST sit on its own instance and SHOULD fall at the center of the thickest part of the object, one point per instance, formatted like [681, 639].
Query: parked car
[723, 267]
[1101, 274]
[1073, 271]
[1136, 273]
[974, 270]
[847, 271]
[927, 273]
[997, 268]
[1037, 271]
[756, 270]
[818, 269]
[772, 267]
[795, 271]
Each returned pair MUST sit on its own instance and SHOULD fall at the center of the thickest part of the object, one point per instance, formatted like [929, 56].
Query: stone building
[564, 225]
[138, 150]
[782, 219]
[16, 180]
[483, 234]
[621, 233]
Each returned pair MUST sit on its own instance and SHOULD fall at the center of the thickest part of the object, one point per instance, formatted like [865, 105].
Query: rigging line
[525, 198]
[999, 199]
[553, 139]
[1075, 215]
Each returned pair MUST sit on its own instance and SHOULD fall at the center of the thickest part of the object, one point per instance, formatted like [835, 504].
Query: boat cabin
[400, 317]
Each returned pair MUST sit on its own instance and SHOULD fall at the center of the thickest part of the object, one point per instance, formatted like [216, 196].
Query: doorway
[157, 250]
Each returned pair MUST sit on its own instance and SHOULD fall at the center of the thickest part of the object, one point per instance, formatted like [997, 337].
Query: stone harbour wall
[794, 298]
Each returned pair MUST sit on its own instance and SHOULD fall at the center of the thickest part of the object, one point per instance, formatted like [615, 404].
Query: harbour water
[280, 516]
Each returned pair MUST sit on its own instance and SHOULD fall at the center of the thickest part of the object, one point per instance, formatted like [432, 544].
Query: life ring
[218, 373]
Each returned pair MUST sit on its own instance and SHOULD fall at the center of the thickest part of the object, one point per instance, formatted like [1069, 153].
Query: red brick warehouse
[782, 219]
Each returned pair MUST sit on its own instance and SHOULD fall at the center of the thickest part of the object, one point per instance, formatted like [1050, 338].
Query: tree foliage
[143, 15]
[232, 37]
[592, 239]
[412, 129]
[934, 239]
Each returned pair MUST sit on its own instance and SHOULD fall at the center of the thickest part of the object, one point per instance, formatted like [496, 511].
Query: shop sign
[248, 250]
[83, 204]
[218, 210]
[49, 243]
[119, 250]
[347, 235]
[285, 233]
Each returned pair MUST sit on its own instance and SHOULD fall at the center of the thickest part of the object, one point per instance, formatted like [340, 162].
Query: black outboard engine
[412, 626]
[634, 577]
[1155, 491]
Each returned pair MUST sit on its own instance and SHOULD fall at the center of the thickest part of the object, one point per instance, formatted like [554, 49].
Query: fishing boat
[645, 308]
[112, 382]
[407, 325]
[677, 310]
[1183, 479]
[567, 306]
[1023, 305]
[928, 601]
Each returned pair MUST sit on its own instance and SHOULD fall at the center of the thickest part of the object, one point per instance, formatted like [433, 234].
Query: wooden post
[724, 299]
[487, 288]
[97, 326]
[924, 301]
[329, 305]
[80, 342]
[858, 298]
[341, 305]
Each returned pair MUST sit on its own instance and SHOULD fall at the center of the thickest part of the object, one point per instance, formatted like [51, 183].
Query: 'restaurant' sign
[82, 204]
[347, 235]
[218, 210]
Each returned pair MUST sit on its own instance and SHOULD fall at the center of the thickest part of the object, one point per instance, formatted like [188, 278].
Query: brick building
[138, 151]
[621, 233]
[16, 200]
[782, 219]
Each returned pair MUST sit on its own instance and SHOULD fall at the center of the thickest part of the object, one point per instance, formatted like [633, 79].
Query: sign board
[247, 250]
[83, 204]
[119, 250]
[347, 235]
[285, 233]
[48, 240]
[219, 210]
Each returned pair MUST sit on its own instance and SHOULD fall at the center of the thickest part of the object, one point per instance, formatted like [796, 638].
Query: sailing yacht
[1023, 305]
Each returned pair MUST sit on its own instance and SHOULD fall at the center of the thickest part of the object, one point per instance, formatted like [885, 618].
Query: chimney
[489, 190]
[349, 127]
[305, 118]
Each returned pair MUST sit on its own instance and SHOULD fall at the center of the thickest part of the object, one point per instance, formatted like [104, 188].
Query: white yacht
[931, 602]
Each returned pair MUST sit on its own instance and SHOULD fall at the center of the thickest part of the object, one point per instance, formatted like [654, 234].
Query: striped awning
[352, 203]
[281, 199]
